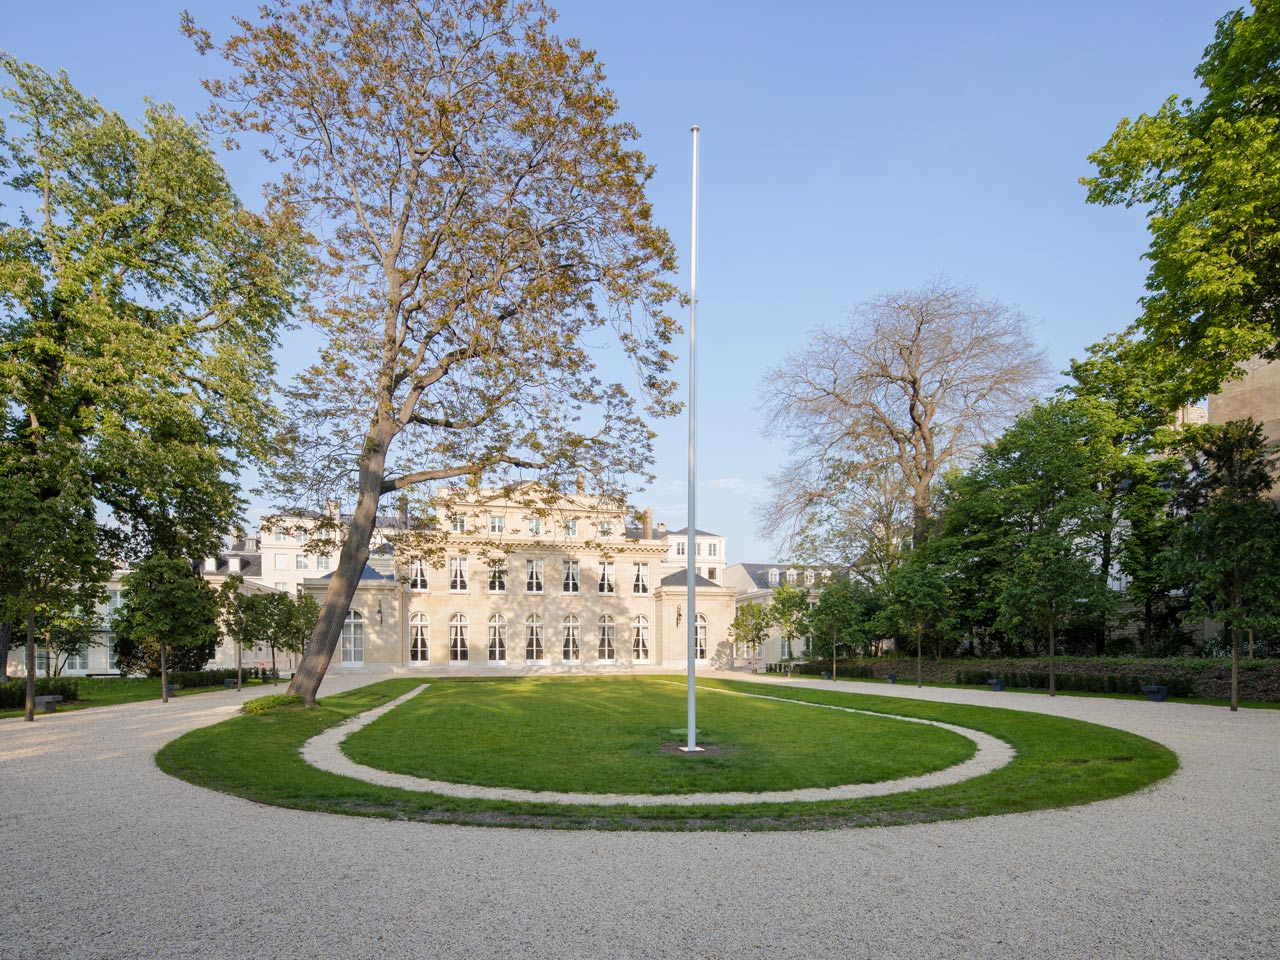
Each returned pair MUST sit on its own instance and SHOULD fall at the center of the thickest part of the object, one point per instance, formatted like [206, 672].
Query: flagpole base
[692, 749]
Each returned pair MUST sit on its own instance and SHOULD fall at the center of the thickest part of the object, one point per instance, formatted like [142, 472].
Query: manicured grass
[109, 691]
[606, 735]
[1059, 763]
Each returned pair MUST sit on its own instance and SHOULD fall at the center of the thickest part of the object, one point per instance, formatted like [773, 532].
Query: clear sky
[848, 148]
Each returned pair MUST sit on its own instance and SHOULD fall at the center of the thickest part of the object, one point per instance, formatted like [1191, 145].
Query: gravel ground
[325, 751]
[106, 857]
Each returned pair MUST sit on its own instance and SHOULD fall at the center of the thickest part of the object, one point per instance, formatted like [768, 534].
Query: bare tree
[480, 219]
[916, 380]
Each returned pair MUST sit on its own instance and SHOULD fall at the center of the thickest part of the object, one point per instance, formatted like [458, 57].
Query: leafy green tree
[750, 627]
[274, 621]
[1227, 549]
[485, 225]
[167, 612]
[842, 619]
[1206, 173]
[789, 612]
[919, 602]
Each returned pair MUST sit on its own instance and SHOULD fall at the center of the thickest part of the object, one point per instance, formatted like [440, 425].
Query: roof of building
[250, 563]
[370, 573]
[681, 579]
[682, 532]
[759, 572]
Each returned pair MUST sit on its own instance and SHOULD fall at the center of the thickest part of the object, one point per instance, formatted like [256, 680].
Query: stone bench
[48, 703]
[1156, 693]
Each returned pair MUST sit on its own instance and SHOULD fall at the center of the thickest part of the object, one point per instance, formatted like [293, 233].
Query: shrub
[13, 692]
[272, 701]
[189, 679]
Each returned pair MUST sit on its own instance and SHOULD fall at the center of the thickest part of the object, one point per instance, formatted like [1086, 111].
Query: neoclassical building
[500, 587]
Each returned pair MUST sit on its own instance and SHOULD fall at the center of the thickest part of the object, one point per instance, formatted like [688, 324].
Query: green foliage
[789, 613]
[165, 602]
[919, 605]
[272, 701]
[750, 627]
[13, 693]
[1209, 177]
[844, 617]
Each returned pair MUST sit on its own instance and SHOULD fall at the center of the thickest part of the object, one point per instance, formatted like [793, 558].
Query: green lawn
[1059, 763]
[109, 691]
[606, 735]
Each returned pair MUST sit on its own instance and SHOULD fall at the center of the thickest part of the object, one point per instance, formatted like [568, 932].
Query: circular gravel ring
[324, 752]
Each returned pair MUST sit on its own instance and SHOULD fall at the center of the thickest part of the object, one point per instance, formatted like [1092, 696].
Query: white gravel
[324, 751]
[106, 857]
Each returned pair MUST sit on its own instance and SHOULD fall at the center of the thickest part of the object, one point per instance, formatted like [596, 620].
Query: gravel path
[324, 751]
[106, 857]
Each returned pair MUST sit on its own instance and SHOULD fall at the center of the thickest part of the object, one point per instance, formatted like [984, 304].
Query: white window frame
[353, 639]
[641, 641]
[534, 640]
[322, 562]
[457, 574]
[457, 523]
[497, 647]
[606, 583]
[700, 639]
[497, 523]
[419, 639]
[640, 582]
[534, 581]
[282, 561]
[680, 545]
[571, 647]
[300, 562]
[606, 529]
[498, 576]
[419, 577]
[535, 526]
[713, 549]
[571, 528]
[607, 644]
[572, 581]
[459, 651]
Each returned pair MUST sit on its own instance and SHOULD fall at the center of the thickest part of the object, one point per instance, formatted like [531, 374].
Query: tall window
[301, 562]
[640, 639]
[607, 652]
[697, 549]
[680, 545]
[458, 574]
[113, 655]
[606, 577]
[535, 526]
[571, 528]
[700, 639]
[533, 650]
[711, 573]
[282, 561]
[712, 549]
[571, 651]
[571, 576]
[458, 639]
[322, 563]
[418, 575]
[353, 638]
[497, 638]
[640, 583]
[458, 523]
[419, 651]
[497, 524]
[533, 576]
[498, 576]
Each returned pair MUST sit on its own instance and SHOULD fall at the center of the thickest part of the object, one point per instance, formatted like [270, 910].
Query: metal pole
[692, 530]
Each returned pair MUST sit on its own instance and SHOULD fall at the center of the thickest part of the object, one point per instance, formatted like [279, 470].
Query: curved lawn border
[324, 752]
[1059, 763]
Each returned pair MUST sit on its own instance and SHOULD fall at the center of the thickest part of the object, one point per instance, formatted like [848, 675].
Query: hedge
[13, 692]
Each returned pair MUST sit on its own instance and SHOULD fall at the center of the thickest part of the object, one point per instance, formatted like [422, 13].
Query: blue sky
[848, 148]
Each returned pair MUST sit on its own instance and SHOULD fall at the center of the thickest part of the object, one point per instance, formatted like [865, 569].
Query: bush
[189, 679]
[13, 692]
[272, 701]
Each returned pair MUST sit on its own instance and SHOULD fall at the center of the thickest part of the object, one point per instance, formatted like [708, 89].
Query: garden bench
[48, 704]
[1156, 693]
[996, 683]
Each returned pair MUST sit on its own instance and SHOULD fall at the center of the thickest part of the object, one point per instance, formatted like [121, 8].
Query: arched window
[571, 651]
[497, 638]
[700, 639]
[419, 651]
[533, 639]
[353, 638]
[606, 652]
[458, 639]
[640, 639]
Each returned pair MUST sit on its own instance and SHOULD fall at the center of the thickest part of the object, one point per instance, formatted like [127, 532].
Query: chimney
[662, 527]
[333, 509]
[233, 564]
[646, 524]
[402, 513]
[210, 564]
[581, 482]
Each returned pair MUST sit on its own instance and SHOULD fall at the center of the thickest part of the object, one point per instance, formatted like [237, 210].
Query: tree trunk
[1148, 624]
[31, 666]
[164, 675]
[346, 578]
[1053, 689]
[239, 665]
[919, 654]
[6, 637]
[1235, 669]
[273, 664]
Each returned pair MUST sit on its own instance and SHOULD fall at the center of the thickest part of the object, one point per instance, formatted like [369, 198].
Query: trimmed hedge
[13, 692]
[1184, 676]
[271, 701]
[189, 679]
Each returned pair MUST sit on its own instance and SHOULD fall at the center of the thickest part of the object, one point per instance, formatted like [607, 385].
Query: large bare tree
[480, 220]
[915, 381]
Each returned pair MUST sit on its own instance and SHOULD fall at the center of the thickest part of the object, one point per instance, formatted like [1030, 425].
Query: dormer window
[773, 578]
[808, 578]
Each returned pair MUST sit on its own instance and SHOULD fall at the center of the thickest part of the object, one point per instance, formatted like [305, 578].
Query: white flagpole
[692, 537]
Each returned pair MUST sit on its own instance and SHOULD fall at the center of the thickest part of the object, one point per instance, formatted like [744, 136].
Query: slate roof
[759, 572]
[681, 579]
[250, 563]
[682, 532]
[369, 574]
